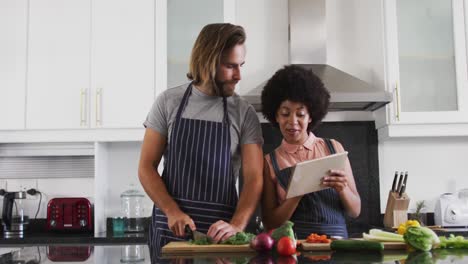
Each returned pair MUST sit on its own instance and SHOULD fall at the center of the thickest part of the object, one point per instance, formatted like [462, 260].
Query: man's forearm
[248, 201]
[156, 190]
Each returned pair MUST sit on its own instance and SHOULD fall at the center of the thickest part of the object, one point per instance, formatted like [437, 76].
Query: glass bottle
[132, 209]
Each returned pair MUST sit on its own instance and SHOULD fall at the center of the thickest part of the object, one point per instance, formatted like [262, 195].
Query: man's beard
[222, 90]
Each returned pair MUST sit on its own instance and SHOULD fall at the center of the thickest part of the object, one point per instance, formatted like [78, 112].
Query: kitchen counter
[36, 234]
[124, 254]
[74, 238]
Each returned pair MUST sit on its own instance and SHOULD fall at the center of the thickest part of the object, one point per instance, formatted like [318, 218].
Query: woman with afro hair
[295, 100]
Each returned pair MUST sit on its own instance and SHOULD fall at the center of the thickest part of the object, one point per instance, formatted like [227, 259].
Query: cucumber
[361, 257]
[356, 245]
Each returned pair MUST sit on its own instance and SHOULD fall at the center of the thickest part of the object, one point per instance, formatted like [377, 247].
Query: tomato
[286, 246]
[286, 260]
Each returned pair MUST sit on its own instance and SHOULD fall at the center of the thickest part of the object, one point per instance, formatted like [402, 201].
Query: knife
[196, 235]
[394, 182]
[406, 178]
[402, 190]
[400, 182]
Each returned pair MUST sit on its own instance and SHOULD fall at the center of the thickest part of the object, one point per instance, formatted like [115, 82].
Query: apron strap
[184, 103]
[281, 175]
[226, 120]
[330, 146]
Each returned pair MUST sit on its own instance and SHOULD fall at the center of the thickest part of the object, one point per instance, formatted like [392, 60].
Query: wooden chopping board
[186, 247]
[326, 246]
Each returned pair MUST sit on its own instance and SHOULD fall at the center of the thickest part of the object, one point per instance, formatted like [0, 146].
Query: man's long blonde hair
[211, 43]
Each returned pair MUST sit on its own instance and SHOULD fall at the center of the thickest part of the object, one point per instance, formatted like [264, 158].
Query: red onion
[262, 242]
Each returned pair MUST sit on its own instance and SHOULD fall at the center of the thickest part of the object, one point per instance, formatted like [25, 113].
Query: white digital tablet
[307, 176]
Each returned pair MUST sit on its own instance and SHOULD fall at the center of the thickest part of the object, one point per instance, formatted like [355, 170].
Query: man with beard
[205, 132]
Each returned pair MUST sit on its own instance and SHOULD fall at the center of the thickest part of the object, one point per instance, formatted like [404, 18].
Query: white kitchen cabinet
[91, 63]
[426, 64]
[13, 24]
[123, 62]
[58, 64]
[183, 25]
[265, 23]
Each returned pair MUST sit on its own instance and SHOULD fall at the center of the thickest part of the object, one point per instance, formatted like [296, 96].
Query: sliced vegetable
[352, 245]
[382, 236]
[316, 238]
[201, 241]
[240, 238]
[381, 233]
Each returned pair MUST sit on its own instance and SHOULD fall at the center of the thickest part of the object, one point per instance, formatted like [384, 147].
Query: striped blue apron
[197, 174]
[319, 212]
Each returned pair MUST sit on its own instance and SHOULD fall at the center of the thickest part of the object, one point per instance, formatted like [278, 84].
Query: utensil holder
[397, 210]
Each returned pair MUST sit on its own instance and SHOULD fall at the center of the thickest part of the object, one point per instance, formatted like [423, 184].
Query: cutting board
[186, 247]
[326, 246]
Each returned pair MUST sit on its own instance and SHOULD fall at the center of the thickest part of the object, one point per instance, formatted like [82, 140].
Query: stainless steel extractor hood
[308, 49]
[347, 92]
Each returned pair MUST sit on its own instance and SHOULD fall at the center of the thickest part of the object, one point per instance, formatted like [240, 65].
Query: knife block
[397, 210]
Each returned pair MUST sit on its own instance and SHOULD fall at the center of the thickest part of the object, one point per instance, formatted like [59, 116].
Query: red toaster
[73, 214]
[69, 253]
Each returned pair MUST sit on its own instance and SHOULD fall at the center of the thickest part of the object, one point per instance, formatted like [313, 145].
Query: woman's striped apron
[319, 212]
[197, 174]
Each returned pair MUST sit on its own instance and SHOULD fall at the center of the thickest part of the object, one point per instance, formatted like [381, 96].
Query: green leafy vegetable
[421, 238]
[419, 257]
[240, 238]
[453, 242]
[285, 230]
[201, 241]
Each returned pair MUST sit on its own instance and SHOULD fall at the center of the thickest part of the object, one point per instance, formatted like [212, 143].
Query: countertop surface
[141, 254]
[36, 234]
[39, 246]
[52, 238]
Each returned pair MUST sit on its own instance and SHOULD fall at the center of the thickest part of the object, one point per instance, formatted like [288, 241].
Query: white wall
[266, 25]
[120, 172]
[434, 165]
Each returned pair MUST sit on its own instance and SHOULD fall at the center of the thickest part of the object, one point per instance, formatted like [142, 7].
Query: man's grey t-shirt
[245, 127]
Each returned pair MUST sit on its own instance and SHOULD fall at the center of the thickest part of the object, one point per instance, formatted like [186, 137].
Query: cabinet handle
[83, 93]
[98, 106]
[398, 109]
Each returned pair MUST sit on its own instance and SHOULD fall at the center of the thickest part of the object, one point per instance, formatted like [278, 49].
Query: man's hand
[177, 221]
[221, 231]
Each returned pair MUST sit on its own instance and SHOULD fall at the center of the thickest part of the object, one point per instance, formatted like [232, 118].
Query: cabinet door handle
[83, 104]
[98, 106]
[398, 103]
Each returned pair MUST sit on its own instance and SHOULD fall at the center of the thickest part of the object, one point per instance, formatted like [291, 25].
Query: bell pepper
[403, 226]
